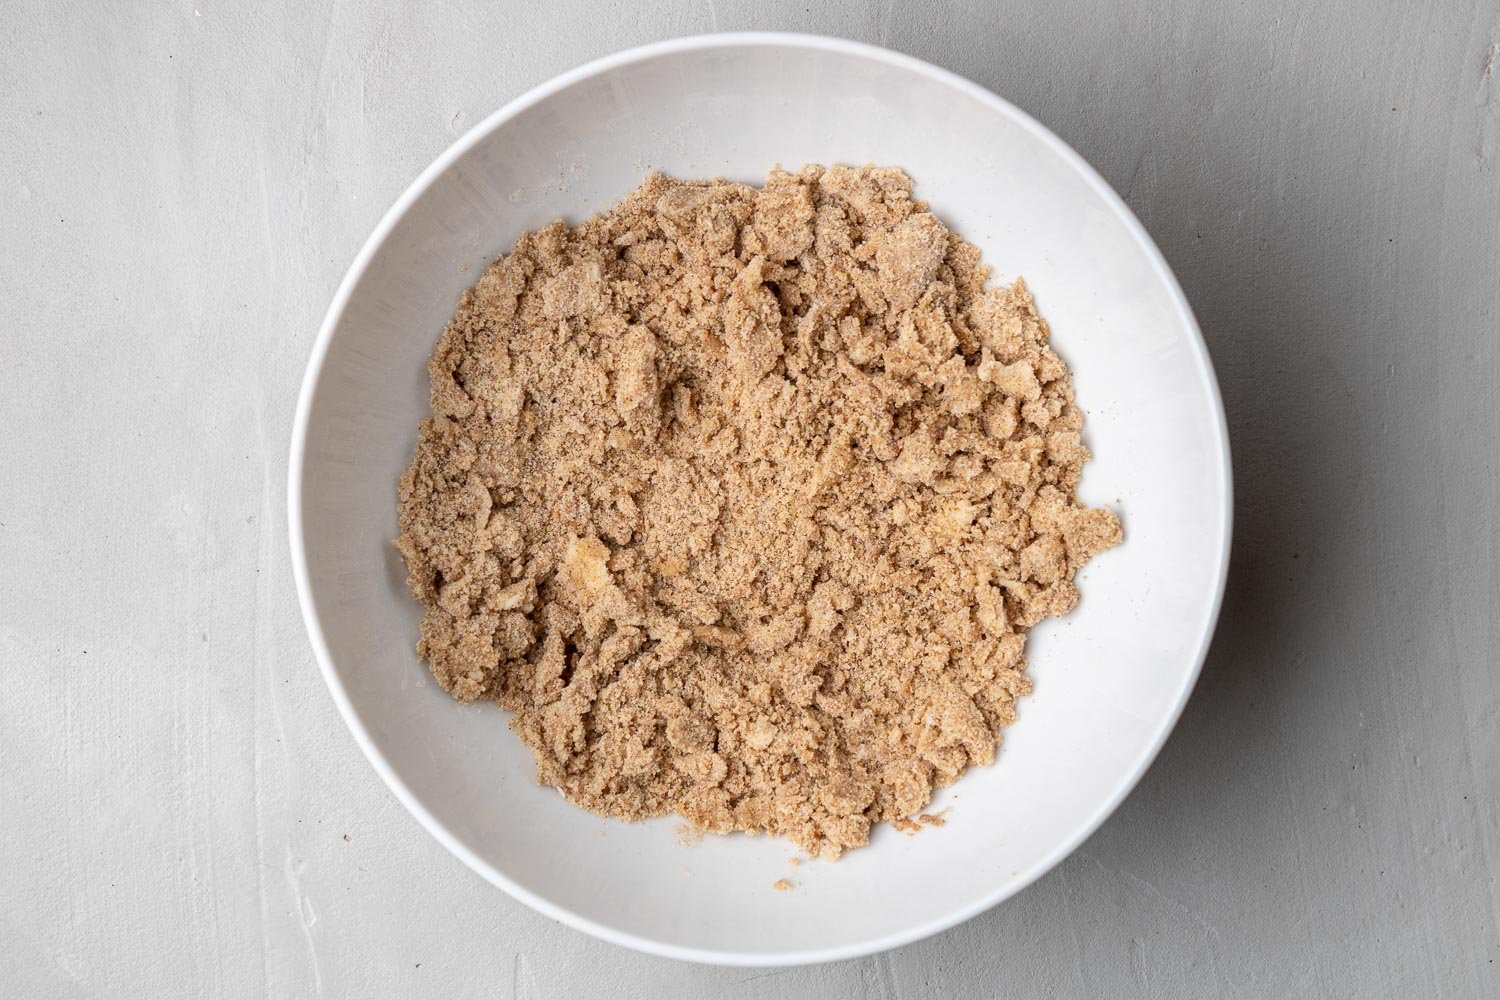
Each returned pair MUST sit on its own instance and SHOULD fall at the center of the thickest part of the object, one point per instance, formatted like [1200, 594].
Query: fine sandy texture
[744, 501]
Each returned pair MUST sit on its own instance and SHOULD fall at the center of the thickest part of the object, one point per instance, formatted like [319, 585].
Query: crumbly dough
[743, 500]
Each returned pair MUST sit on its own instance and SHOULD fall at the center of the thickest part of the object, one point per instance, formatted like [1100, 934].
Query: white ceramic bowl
[1110, 679]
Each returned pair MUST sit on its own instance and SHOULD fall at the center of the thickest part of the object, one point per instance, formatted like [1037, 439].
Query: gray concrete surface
[183, 814]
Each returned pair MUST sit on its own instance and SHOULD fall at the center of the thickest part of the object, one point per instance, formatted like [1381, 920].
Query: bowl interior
[1110, 678]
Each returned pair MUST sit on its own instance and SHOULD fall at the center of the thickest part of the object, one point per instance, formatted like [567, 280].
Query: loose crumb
[782, 885]
[688, 836]
[743, 501]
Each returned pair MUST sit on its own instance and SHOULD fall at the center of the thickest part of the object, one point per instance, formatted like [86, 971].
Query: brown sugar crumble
[911, 827]
[743, 501]
[782, 885]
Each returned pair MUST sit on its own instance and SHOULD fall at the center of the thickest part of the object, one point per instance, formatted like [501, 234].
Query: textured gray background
[183, 814]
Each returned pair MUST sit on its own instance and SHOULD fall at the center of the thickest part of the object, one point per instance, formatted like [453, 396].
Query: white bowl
[1110, 679]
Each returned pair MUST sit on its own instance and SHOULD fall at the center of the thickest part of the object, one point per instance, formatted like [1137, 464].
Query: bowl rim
[334, 316]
